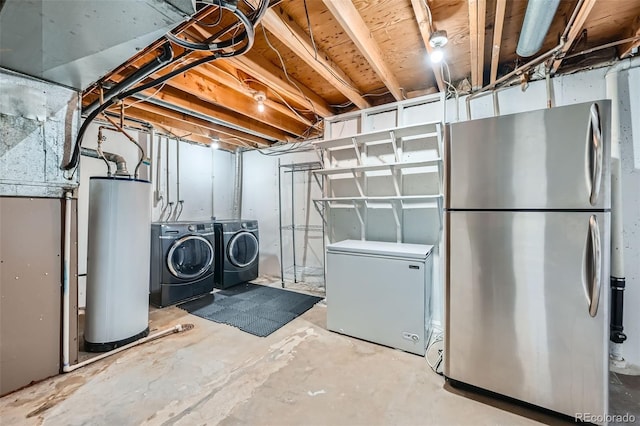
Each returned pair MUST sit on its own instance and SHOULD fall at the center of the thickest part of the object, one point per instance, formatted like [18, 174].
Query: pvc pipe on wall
[237, 189]
[617, 243]
[66, 298]
[213, 182]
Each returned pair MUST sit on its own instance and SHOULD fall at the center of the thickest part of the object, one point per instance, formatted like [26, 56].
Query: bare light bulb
[260, 97]
[436, 55]
[215, 144]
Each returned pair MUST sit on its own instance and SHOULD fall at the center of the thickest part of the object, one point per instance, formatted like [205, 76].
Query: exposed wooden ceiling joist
[422, 17]
[482, 12]
[473, 40]
[286, 30]
[498, 25]
[626, 49]
[157, 115]
[354, 26]
[287, 86]
[575, 30]
[229, 76]
[212, 93]
[275, 79]
[216, 100]
[188, 102]
[220, 96]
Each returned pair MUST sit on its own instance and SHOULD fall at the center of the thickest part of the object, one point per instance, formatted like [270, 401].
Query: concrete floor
[216, 374]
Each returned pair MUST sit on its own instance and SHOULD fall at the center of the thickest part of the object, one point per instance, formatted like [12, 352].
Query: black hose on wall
[118, 93]
[616, 334]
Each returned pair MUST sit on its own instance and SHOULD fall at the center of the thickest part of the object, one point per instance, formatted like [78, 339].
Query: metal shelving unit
[297, 270]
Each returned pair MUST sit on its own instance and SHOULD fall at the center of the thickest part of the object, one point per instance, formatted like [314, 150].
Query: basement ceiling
[306, 66]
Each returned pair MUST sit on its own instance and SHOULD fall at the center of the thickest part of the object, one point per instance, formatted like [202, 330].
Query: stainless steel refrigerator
[527, 236]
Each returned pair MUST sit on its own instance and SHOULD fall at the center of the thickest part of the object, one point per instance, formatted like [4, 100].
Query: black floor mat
[256, 309]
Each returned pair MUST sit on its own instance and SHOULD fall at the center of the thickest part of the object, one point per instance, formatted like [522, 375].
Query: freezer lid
[380, 248]
[555, 158]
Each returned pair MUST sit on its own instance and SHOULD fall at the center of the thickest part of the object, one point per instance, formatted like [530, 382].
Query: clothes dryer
[237, 247]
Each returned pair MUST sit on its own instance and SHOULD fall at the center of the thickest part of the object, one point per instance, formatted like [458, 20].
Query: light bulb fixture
[437, 41]
[215, 143]
[260, 97]
[436, 55]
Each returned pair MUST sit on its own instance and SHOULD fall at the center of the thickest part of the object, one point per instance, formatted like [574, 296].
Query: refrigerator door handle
[594, 140]
[595, 267]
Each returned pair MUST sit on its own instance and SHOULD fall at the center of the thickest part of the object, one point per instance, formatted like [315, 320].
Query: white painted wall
[260, 201]
[206, 181]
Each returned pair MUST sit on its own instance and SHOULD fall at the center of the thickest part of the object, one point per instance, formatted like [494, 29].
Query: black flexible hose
[249, 32]
[165, 57]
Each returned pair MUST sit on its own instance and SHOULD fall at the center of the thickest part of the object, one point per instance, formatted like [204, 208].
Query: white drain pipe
[167, 331]
[617, 244]
[66, 297]
[237, 185]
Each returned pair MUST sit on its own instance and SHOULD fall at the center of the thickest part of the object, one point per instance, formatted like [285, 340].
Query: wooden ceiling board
[609, 20]
[331, 38]
[296, 67]
[395, 29]
[393, 22]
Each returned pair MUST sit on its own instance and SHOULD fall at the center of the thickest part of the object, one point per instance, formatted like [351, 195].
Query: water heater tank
[117, 307]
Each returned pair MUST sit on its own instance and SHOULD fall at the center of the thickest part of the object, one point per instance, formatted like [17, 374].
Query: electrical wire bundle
[218, 49]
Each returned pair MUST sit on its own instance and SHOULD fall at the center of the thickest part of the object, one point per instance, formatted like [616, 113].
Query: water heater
[117, 307]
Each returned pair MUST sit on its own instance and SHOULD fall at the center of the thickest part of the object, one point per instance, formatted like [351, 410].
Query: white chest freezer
[380, 292]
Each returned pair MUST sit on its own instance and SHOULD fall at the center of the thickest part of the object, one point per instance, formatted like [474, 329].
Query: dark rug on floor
[256, 309]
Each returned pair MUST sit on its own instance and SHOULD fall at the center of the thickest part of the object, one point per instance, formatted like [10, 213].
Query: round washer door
[242, 249]
[190, 257]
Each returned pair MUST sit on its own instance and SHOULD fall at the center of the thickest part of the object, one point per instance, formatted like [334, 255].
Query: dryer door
[190, 257]
[242, 249]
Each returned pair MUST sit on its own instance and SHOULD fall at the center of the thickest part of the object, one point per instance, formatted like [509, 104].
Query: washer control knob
[191, 228]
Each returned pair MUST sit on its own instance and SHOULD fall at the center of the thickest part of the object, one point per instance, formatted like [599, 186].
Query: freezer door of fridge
[527, 307]
[554, 158]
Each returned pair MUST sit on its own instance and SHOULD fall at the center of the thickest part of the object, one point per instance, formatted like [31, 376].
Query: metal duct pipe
[121, 163]
[149, 68]
[237, 188]
[179, 202]
[617, 335]
[535, 26]
[133, 141]
[518, 71]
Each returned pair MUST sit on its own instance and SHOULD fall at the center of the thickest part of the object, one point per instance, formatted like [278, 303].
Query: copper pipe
[124, 132]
